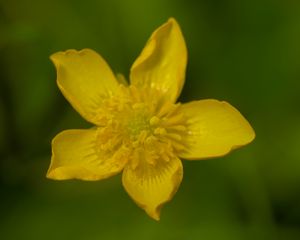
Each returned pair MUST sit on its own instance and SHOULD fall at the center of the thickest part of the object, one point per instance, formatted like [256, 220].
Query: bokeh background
[245, 52]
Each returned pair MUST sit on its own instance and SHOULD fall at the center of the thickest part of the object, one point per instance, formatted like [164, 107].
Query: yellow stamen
[154, 121]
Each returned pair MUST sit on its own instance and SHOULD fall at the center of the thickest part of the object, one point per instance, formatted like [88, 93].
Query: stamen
[160, 131]
[180, 128]
[154, 121]
[151, 160]
[174, 136]
[178, 146]
[138, 106]
[175, 120]
[142, 137]
[135, 158]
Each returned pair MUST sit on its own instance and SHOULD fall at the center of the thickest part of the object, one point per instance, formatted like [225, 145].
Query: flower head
[140, 129]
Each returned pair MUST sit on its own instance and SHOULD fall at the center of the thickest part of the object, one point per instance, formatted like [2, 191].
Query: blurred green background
[245, 52]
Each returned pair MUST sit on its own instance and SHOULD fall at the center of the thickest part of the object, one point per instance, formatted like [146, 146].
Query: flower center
[138, 121]
[143, 123]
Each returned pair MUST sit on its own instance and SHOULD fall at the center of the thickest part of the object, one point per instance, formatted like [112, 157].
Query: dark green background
[245, 52]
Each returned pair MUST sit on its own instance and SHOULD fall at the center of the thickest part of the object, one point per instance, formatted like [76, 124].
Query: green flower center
[137, 122]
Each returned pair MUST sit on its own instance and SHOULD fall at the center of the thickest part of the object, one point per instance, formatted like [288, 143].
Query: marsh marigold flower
[139, 128]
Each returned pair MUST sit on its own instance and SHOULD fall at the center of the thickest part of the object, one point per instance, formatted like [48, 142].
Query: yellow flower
[140, 129]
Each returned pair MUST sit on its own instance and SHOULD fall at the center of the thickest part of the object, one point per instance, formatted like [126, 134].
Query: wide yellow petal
[150, 186]
[85, 80]
[162, 63]
[75, 155]
[214, 129]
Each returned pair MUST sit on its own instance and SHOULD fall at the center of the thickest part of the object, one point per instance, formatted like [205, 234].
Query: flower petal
[85, 80]
[76, 155]
[162, 63]
[150, 186]
[215, 128]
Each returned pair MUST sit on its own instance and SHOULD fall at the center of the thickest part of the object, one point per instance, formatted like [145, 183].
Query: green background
[244, 52]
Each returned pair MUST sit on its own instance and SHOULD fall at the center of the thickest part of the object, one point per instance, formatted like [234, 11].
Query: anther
[138, 105]
[160, 131]
[142, 137]
[154, 121]
[178, 128]
[174, 136]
